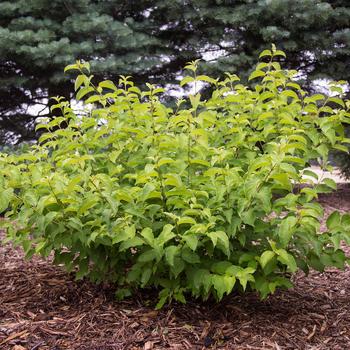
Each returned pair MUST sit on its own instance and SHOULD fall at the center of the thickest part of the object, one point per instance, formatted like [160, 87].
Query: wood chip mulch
[43, 308]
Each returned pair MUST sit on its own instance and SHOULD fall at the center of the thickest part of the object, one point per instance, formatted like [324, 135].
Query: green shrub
[198, 200]
[342, 159]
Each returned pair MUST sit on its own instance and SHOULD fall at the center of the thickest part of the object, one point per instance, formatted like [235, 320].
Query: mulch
[42, 307]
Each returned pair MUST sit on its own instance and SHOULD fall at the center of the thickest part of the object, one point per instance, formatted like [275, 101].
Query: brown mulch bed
[42, 307]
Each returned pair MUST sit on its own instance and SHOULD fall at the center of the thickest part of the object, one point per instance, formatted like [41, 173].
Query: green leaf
[206, 79]
[244, 277]
[83, 91]
[265, 53]
[147, 234]
[345, 221]
[337, 101]
[223, 284]
[93, 99]
[221, 267]
[287, 259]
[108, 84]
[248, 217]
[122, 293]
[147, 256]
[200, 162]
[179, 296]
[310, 173]
[164, 161]
[257, 74]
[219, 285]
[87, 205]
[166, 235]
[290, 93]
[286, 229]
[279, 53]
[220, 238]
[145, 277]
[266, 257]
[195, 100]
[71, 67]
[79, 81]
[186, 80]
[334, 221]
[5, 198]
[164, 296]
[131, 243]
[190, 256]
[146, 191]
[201, 277]
[192, 240]
[42, 126]
[283, 181]
[330, 183]
[315, 262]
[178, 266]
[186, 220]
[83, 269]
[170, 253]
[229, 282]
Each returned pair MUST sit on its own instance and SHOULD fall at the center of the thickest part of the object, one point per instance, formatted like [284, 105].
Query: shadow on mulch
[43, 308]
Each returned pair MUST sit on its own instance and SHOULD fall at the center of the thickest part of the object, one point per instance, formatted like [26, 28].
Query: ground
[43, 308]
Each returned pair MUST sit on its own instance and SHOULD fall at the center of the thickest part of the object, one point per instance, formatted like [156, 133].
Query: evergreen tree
[152, 40]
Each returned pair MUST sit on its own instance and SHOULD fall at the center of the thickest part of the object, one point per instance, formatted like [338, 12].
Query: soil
[42, 307]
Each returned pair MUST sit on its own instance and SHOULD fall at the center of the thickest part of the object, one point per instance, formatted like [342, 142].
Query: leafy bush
[342, 159]
[199, 200]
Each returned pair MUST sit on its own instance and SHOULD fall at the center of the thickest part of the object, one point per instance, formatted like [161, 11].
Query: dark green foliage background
[152, 40]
